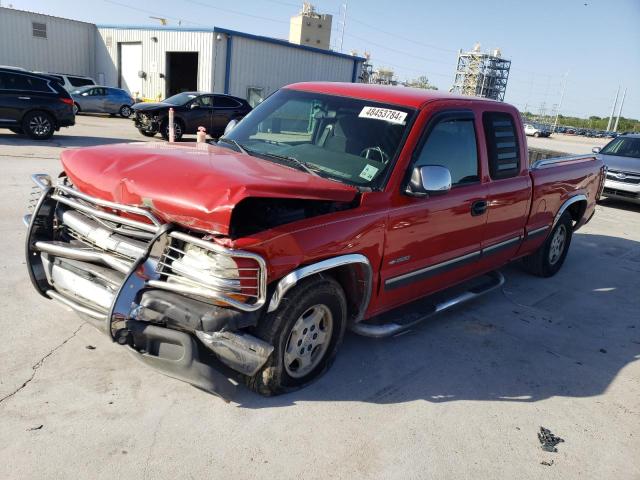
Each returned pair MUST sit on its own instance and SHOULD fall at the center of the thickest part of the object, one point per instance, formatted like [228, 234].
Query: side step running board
[390, 329]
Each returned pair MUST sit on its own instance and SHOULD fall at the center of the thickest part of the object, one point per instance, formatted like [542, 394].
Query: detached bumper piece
[110, 264]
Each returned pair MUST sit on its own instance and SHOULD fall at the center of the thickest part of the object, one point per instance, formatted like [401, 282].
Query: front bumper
[117, 284]
[147, 121]
[624, 191]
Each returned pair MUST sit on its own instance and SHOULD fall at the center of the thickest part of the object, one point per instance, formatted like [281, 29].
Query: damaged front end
[172, 297]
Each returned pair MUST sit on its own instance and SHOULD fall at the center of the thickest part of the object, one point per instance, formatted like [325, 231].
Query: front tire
[306, 331]
[548, 259]
[38, 125]
[178, 130]
[536, 134]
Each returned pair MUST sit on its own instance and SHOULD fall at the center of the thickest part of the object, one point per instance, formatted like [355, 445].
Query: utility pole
[564, 85]
[344, 23]
[613, 110]
[624, 94]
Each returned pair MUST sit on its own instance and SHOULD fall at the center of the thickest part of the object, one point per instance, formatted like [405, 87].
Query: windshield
[349, 140]
[623, 147]
[180, 98]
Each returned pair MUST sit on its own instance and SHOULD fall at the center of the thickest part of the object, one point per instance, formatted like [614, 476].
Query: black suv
[33, 103]
[191, 110]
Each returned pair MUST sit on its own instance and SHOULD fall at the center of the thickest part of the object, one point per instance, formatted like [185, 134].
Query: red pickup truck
[328, 207]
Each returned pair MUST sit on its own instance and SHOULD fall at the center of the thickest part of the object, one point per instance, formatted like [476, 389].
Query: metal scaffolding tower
[481, 74]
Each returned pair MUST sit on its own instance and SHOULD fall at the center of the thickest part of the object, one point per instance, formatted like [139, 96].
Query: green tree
[421, 82]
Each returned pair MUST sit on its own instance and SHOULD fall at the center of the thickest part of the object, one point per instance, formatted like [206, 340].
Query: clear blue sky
[598, 44]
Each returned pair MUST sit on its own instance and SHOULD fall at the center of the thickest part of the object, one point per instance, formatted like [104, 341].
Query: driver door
[201, 115]
[434, 241]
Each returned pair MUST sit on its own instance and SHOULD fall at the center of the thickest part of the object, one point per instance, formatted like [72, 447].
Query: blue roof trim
[157, 27]
[285, 43]
[227, 66]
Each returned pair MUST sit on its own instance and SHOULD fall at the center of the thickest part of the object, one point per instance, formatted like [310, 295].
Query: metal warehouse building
[48, 44]
[158, 62]
[155, 62]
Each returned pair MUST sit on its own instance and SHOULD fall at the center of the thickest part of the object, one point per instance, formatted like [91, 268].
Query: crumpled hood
[144, 106]
[195, 185]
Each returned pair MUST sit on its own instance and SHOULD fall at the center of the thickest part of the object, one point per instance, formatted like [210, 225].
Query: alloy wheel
[308, 341]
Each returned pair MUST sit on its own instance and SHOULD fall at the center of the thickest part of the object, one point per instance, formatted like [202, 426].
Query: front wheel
[548, 259]
[306, 332]
[178, 130]
[536, 134]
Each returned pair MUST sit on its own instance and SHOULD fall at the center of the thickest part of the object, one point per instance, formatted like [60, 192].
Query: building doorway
[182, 72]
[130, 68]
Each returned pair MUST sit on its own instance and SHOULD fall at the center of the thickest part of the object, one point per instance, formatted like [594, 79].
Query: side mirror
[230, 126]
[429, 180]
[194, 106]
[596, 149]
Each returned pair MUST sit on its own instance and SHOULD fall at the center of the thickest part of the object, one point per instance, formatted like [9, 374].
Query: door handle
[478, 207]
[24, 98]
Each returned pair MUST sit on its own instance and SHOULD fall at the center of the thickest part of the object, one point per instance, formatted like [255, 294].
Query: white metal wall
[269, 66]
[154, 55]
[68, 48]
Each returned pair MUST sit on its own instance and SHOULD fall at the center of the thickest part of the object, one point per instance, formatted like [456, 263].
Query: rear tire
[306, 331]
[548, 259]
[38, 125]
[536, 134]
[125, 111]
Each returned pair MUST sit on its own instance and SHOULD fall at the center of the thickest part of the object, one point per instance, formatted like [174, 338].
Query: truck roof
[405, 96]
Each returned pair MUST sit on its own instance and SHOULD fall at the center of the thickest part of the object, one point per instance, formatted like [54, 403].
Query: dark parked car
[191, 110]
[98, 99]
[33, 104]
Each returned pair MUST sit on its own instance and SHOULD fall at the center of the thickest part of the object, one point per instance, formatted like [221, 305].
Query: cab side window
[452, 144]
[502, 145]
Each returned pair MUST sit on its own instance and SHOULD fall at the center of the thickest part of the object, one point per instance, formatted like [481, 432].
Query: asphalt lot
[462, 396]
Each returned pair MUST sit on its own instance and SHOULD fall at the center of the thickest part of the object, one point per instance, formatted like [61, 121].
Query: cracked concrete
[39, 363]
[462, 396]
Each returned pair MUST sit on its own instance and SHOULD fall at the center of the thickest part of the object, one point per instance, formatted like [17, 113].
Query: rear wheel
[38, 125]
[306, 332]
[536, 134]
[125, 111]
[548, 259]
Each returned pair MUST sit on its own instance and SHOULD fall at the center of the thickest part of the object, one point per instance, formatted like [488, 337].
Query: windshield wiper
[303, 165]
[235, 143]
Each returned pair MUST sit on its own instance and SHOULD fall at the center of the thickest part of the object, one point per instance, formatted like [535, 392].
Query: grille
[624, 177]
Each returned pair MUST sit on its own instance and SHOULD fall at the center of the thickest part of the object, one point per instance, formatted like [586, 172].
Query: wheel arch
[40, 109]
[576, 206]
[352, 271]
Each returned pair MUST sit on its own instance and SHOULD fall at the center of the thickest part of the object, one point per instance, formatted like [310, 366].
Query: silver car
[98, 99]
[622, 157]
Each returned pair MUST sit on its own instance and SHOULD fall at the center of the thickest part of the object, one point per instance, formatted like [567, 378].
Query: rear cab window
[503, 148]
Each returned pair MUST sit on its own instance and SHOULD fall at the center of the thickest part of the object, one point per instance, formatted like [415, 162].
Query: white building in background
[155, 62]
[45, 43]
